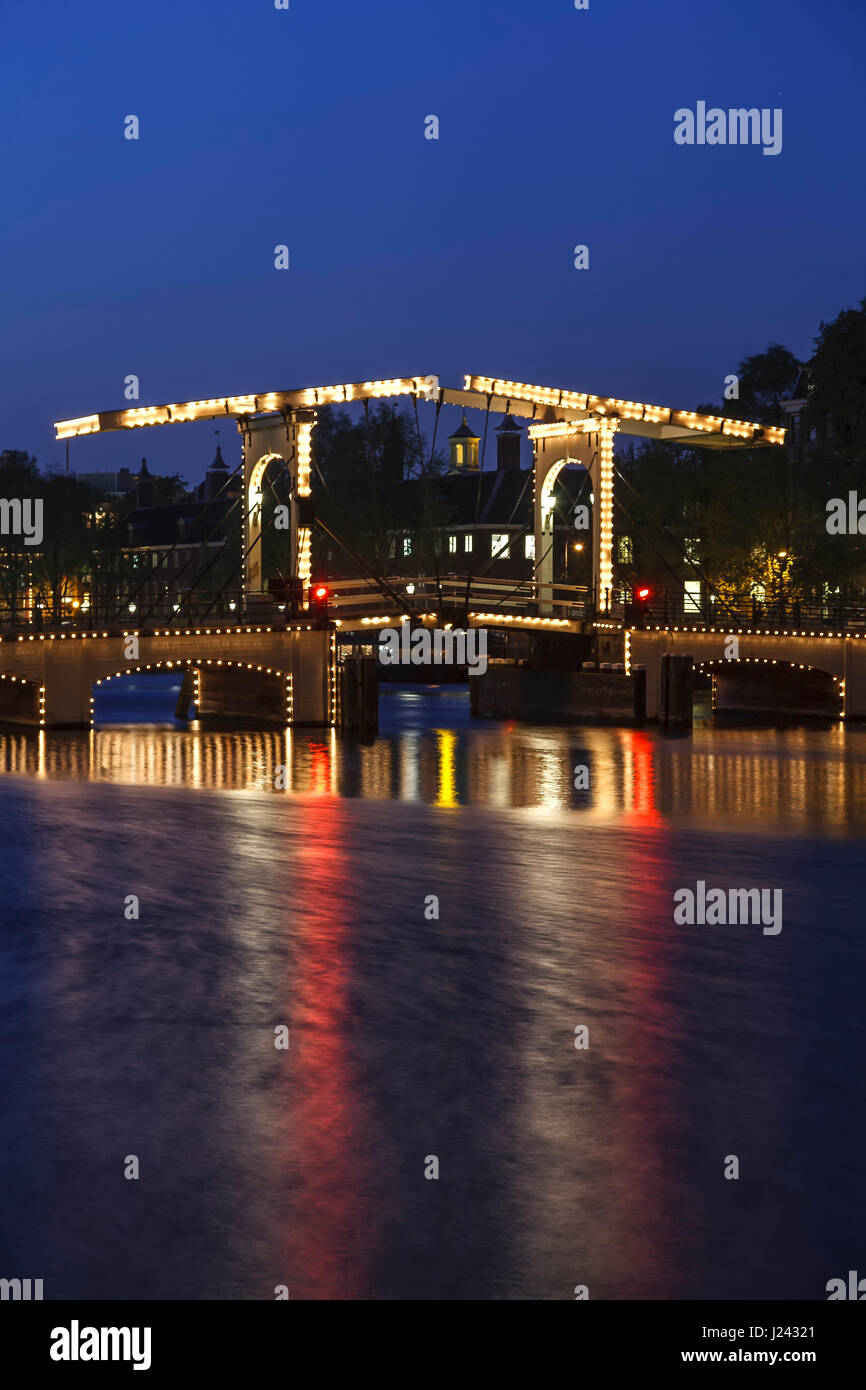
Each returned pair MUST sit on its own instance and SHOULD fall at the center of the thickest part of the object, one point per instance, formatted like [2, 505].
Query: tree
[361, 468]
[764, 380]
[836, 404]
[65, 551]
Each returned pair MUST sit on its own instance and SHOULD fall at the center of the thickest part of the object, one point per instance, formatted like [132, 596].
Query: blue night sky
[408, 255]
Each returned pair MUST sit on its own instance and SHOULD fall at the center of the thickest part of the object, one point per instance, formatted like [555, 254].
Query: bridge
[760, 668]
[284, 675]
[284, 664]
[566, 427]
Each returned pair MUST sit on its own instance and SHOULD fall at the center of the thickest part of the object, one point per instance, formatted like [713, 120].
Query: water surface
[412, 1037]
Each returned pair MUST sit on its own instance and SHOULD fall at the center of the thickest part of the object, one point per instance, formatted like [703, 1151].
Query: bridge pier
[66, 686]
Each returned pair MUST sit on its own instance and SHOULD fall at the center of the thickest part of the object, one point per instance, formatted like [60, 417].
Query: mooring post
[359, 695]
[676, 690]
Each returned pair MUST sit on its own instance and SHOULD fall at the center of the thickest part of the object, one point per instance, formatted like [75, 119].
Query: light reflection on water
[784, 779]
[413, 1036]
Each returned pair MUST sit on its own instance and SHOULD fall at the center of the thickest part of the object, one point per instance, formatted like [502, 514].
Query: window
[625, 551]
[458, 453]
[499, 548]
[529, 547]
[452, 545]
[407, 545]
[692, 596]
[467, 545]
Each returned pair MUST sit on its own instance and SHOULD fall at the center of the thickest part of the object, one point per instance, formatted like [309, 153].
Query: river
[303, 899]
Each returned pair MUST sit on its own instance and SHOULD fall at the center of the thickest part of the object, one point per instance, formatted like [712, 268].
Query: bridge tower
[588, 442]
[284, 437]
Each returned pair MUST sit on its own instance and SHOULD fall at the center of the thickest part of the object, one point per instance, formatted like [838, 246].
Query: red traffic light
[321, 592]
[643, 593]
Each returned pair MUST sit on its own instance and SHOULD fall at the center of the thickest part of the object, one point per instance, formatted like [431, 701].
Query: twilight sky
[306, 127]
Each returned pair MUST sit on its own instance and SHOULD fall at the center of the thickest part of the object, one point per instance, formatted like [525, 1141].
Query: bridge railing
[425, 594]
[744, 612]
[350, 598]
[175, 608]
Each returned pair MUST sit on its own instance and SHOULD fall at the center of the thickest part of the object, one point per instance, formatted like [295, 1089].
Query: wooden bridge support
[359, 695]
[676, 691]
[286, 439]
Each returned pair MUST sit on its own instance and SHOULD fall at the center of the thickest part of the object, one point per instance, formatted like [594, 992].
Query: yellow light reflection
[446, 740]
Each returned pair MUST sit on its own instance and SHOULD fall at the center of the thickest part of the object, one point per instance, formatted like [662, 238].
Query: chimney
[508, 437]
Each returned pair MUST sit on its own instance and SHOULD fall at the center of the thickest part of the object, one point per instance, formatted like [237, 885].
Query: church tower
[464, 449]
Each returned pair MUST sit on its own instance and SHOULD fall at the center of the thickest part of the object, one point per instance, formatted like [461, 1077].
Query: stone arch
[199, 664]
[22, 699]
[717, 667]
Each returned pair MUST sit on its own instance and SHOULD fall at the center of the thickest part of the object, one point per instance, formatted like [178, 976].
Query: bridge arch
[201, 665]
[22, 699]
[832, 687]
[254, 497]
[838, 658]
[548, 482]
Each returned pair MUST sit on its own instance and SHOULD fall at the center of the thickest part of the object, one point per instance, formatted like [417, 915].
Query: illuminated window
[499, 548]
[458, 453]
[467, 544]
[692, 596]
[529, 547]
[452, 545]
[407, 545]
